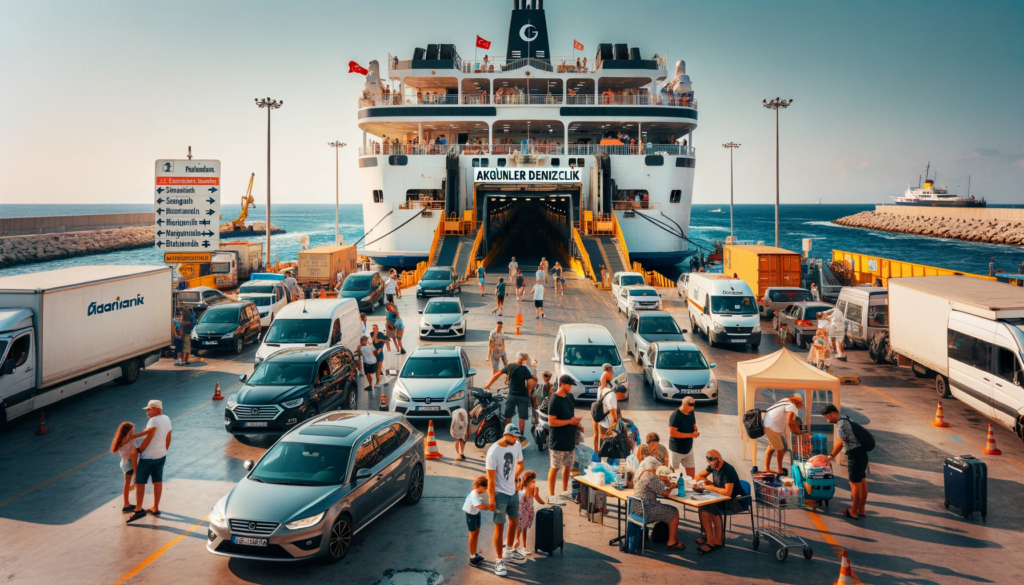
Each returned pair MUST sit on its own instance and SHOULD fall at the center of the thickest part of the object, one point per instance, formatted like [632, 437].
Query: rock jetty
[40, 248]
[989, 231]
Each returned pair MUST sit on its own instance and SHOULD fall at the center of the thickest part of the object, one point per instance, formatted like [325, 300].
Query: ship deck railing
[558, 99]
[557, 64]
[517, 148]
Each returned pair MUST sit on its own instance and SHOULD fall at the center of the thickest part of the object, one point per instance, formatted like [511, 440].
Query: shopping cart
[772, 499]
[818, 483]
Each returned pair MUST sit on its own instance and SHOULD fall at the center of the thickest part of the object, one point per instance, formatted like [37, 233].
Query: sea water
[752, 223]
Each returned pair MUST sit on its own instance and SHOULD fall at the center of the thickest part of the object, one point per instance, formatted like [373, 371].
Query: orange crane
[239, 223]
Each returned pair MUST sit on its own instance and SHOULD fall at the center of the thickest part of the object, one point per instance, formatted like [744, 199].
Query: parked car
[318, 485]
[621, 279]
[443, 317]
[294, 292]
[434, 381]
[367, 288]
[199, 299]
[227, 326]
[866, 310]
[801, 319]
[438, 280]
[580, 351]
[681, 284]
[777, 298]
[291, 386]
[645, 327]
[314, 323]
[675, 370]
[637, 298]
[269, 298]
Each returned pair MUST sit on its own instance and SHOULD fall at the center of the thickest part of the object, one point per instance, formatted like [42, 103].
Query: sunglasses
[711, 459]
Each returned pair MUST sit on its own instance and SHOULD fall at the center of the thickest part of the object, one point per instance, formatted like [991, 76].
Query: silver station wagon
[318, 486]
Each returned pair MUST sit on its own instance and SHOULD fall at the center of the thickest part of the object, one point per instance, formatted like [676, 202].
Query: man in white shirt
[512, 267]
[390, 289]
[152, 456]
[538, 299]
[368, 353]
[606, 394]
[541, 275]
[504, 465]
[779, 421]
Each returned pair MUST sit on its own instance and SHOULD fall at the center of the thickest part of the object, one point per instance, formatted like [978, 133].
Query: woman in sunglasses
[726, 482]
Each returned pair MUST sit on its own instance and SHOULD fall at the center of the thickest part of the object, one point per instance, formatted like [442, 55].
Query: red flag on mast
[482, 42]
[577, 45]
[354, 67]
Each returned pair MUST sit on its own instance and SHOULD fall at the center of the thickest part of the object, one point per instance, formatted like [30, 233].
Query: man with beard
[504, 464]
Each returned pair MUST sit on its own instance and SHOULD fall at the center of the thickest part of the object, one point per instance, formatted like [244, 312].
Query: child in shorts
[472, 507]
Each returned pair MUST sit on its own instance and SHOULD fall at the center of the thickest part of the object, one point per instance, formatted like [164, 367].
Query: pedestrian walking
[472, 507]
[513, 269]
[562, 439]
[544, 268]
[188, 323]
[538, 298]
[520, 285]
[521, 382]
[179, 342]
[152, 457]
[504, 465]
[541, 275]
[528, 494]
[390, 289]
[851, 439]
[541, 392]
[499, 296]
[682, 430]
[779, 421]
[496, 349]
[480, 278]
[397, 325]
[369, 358]
[556, 272]
[362, 324]
[460, 432]
[125, 446]
[378, 340]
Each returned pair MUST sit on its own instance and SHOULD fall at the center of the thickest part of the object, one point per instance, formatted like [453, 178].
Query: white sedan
[637, 298]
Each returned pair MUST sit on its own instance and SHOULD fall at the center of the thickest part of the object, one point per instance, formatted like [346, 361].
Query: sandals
[704, 551]
[677, 546]
[136, 516]
[152, 513]
[701, 541]
[127, 509]
[846, 512]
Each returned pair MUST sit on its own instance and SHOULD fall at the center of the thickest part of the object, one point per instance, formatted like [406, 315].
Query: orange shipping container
[763, 266]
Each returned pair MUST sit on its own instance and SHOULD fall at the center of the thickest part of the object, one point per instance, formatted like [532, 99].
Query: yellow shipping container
[762, 266]
[322, 265]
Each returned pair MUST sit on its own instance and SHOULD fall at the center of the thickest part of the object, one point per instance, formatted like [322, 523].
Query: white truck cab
[723, 308]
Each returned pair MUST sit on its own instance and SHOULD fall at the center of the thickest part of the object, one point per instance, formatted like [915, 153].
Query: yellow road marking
[159, 553]
[830, 540]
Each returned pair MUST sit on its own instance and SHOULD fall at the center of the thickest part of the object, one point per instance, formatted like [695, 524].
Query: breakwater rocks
[40, 248]
[989, 231]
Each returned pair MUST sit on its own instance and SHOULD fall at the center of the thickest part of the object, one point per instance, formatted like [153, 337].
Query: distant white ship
[928, 195]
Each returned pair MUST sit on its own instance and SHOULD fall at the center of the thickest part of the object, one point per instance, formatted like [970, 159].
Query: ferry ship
[928, 195]
[526, 155]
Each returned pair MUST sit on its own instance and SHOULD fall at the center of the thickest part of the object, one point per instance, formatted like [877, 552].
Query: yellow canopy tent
[783, 371]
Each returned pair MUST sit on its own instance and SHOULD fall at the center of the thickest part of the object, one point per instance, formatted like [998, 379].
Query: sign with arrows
[187, 204]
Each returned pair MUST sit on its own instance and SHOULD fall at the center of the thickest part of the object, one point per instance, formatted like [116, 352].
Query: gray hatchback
[319, 485]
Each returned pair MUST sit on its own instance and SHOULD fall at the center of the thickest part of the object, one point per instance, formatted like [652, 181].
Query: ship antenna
[926, 170]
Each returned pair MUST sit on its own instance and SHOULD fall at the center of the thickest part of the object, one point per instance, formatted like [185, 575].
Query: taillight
[760, 300]
[803, 323]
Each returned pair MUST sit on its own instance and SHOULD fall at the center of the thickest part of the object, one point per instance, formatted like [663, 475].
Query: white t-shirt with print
[157, 448]
[775, 418]
[503, 461]
[367, 352]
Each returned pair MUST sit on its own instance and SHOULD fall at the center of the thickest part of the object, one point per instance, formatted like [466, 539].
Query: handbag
[615, 444]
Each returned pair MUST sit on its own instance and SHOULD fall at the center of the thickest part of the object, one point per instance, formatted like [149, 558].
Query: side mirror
[242, 378]
[363, 473]
[627, 360]
[249, 464]
[7, 368]
[471, 372]
[420, 311]
[464, 311]
[554, 359]
[712, 365]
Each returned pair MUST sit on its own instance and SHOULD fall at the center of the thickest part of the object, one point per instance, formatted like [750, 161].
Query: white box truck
[967, 333]
[65, 331]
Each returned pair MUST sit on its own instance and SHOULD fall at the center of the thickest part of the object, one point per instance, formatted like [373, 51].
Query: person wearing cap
[562, 441]
[152, 456]
[504, 464]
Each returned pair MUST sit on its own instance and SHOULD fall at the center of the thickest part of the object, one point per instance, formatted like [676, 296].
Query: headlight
[712, 384]
[365, 299]
[293, 403]
[305, 522]
[757, 327]
[229, 335]
[195, 335]
[620, 379]
[460, 324]
[258, 361]
[402, 395]
[419, 286]
[718, 328]
[233, 401]
[457, 396]
[665, 384]
[217, 514]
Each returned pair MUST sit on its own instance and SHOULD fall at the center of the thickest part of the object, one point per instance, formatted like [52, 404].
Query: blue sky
[95, 91]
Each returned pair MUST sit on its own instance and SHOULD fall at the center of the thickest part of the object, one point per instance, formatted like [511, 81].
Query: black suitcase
[966, 481]
[549, 530]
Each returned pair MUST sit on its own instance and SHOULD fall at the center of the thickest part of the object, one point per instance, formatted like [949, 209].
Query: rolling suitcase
[818, 485]
[966, 481]
[549, 530]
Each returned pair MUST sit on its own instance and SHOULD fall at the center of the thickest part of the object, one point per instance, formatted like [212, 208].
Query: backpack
[597, 410]
[753, 421]
[864, 436]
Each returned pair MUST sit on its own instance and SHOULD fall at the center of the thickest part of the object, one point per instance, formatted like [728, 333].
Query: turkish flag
[577, 45]
[354, 67]
[482, 42]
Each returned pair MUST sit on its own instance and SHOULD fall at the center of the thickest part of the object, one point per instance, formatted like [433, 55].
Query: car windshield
[722, 305]
[302, 464]
[260, 301]
[434, 308]
[437, 275]
[591, 355]
[220, 315]
[631, 280]
[659, 325]
[643, 292]
[681, 359]
[432, 367]
[790, 296]
[357, 283]
[281, 373]
[878, 316]
[299, 331]
[188, 297]
[259, 289]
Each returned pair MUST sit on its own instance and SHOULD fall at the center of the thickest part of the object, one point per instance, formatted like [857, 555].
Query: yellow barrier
[588, 269]
[411, 277]
[864, 268]
[437, 238]
[471, 265]
[653, 277]
[209, 280]
[622, 239]
[603, 225]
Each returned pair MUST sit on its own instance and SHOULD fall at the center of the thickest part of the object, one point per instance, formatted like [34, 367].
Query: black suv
[291, 386]
[227, 326]
[367, 288]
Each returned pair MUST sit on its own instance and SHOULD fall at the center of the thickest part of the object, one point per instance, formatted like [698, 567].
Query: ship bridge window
[675, 196]
[482, 162]
[501, 162]
[378, 196]
[555, 162]
[686, 162]
[398, 160]
[654, 160]
[580, 163]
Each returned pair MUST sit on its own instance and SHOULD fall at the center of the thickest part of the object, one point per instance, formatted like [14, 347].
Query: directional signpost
[187, 205]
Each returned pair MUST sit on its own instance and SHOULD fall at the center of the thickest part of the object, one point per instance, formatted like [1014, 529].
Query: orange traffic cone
[42, 430]
[383, 402]
[845, 571]
[431, 452]
[216, 393]
[519, 322]
[990, 445]
[939, 421]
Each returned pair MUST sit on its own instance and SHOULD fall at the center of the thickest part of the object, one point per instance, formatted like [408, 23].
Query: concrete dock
[60, 498]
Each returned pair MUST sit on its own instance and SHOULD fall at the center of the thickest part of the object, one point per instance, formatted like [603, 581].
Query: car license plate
[590, 391]
[430, 408]
[433, 291]
[254, 424]
[209, 343]
[248, 541]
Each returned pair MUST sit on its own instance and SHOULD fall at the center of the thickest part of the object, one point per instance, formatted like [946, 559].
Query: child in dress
[460, 432]
[528, 493]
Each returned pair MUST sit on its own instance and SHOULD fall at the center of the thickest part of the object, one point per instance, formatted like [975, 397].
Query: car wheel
[129, 372]
[239, 344]
[942, 386]
[339, 540]
[800, 342]
[489, 435]
[350, 403]
[312, 412]
[415, 490]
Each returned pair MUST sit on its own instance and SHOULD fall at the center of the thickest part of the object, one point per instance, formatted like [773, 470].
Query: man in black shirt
[682, 431]
[726, 482]
[562, 440]
[521, 382]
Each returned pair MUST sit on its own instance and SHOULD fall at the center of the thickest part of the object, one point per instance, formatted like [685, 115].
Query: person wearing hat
[152, 456]
[504, 464]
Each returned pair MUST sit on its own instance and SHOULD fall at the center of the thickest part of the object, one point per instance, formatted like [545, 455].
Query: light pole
[731, 146]
[269, 104]
[336, 145]
[777, 104]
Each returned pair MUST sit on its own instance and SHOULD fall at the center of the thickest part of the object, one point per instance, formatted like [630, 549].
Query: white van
[313, 323]
[985, 367]
[866, 310]
[723, 308]
[580, 351]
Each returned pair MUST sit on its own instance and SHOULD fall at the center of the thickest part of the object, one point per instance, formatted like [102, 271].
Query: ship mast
[926, 170]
